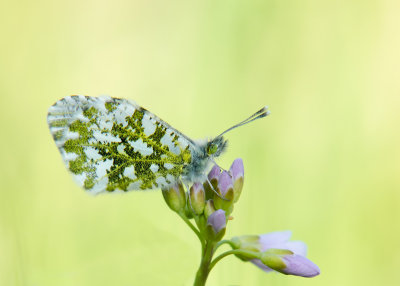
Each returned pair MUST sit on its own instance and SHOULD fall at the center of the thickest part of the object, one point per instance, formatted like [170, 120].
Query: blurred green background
[325, 164]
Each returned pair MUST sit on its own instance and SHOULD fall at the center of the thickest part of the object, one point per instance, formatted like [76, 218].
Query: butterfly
[111, 144]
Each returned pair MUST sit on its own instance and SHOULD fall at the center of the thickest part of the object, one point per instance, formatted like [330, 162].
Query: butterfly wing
[110, 143]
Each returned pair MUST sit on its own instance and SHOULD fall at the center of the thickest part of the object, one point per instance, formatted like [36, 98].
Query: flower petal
[297, 247]
[275, 239]
[237, 169]
[214, 173]
[225, 182]
[300, 266]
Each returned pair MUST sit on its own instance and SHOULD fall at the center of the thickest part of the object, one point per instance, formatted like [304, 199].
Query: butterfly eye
[212, 148]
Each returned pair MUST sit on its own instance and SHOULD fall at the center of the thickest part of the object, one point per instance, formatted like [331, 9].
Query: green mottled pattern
[83, 119]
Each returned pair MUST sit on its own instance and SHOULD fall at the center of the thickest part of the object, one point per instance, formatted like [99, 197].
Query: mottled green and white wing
[113, 144]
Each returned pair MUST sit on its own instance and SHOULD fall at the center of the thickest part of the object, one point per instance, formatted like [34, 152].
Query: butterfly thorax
[203, 154]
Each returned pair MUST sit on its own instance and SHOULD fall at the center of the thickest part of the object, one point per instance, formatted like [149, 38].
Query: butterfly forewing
[109, 144]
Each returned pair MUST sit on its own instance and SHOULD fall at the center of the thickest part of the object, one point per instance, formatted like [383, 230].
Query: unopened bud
[213, 175]
[175, 197]
[216, 225]
[225, 199]
[273, 259]
[237, 172]
[197, 198]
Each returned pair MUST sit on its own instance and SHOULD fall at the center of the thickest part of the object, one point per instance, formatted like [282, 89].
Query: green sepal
[211, 235]
[225, 203]
[209, 208]
[237, 188]
[208, 190]
[248, 254]
[175, 198]
[197, 201]
[189, 212]
[239, 241]
[277, 251]
[273, 258]
[246, 242]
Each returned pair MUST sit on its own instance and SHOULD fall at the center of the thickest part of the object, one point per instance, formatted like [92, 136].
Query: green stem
[225, 241]
[204, 269]
[195, 230]
[246, 253]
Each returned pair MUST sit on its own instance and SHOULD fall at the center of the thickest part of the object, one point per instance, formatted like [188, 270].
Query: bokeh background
[325, 164]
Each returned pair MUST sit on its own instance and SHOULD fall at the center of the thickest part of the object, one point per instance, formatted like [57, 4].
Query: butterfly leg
[212, 188]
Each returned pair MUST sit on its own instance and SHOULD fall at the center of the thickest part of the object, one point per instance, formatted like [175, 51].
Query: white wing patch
[130, 172]
[149, 124]
[141, 147]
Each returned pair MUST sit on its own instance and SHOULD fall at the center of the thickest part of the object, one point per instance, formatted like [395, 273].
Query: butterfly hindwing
[109, 143]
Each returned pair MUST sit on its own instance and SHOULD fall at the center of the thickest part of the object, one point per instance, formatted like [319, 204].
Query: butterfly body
[113, 144]
[202, 159]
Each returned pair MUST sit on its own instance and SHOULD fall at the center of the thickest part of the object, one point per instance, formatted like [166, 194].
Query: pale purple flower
[280, 240]
[217, 220]
[214, 173]
[225, 183]
[296, 263]
[300, 266]
[237, 169]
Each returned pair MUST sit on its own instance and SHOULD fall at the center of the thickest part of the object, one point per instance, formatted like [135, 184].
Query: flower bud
[213, 175]
[216, 225]
[175, 197]
[225, 189]
[225, 185]
[278, 253]
[237, 172]
[273, 258]
[197, 198]
[287, 262]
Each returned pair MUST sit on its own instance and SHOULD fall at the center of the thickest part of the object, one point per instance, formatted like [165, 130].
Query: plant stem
[192, 227]
[225, 241]
[204, 269]
[247, 253]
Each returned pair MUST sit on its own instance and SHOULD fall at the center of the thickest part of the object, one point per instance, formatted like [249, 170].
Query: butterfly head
[216, 146]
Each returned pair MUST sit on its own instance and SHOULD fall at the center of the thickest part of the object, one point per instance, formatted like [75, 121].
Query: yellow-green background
[325, 164]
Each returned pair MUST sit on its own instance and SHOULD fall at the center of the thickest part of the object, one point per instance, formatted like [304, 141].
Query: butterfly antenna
[259, 114]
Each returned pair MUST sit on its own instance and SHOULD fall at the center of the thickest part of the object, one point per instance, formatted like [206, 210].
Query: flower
[213, 175]
[216, 225]
[295, 262]
[279, 254]
[280, 240]
[299, 265]
[217, 220]
[225, 185]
